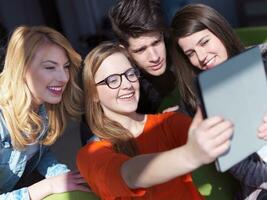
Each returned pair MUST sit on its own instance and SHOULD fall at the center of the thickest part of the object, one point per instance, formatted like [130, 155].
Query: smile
[210, 63]
[57, 90]
[127, 96]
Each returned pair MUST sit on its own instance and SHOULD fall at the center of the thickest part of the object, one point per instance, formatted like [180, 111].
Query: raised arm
[206, 141]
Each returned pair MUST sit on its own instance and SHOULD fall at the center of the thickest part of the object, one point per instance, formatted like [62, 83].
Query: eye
[131, 73]
[141, 50]
[204, 43]
[113, 79]
[49, 67]
[190, 54]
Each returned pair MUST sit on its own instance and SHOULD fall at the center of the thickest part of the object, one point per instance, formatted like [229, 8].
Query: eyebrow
[53, 62]
[142, 47]
[199, 41]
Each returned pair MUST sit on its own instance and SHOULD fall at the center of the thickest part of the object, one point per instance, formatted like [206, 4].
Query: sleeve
[16, 195]
[100, 165]
[251, 172]
[49, 166]
[176, 127]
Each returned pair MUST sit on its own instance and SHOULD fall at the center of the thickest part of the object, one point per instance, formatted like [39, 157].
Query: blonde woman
[38, 92]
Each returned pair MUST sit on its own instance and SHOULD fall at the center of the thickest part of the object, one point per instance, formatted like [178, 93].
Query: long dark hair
[191, 19]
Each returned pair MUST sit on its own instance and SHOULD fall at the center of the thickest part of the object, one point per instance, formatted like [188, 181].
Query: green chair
[252, 35]
[74, 195]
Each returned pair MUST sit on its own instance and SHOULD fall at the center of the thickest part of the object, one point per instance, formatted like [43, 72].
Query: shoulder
[169, 118]
[95, 147]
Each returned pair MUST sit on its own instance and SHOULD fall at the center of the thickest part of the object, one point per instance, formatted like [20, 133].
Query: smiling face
[48, 74]
[203, 49]
[124, 99]
[149, 53]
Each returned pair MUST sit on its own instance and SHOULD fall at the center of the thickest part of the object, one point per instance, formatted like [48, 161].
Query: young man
[139, 26]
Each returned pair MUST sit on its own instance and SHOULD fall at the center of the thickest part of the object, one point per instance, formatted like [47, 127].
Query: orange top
[100, 165]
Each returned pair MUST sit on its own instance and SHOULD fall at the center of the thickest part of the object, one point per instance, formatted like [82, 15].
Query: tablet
[237, 91]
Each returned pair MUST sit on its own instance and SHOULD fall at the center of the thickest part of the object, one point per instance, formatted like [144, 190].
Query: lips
[127, 97]
[210, 63]
[157, 66]
[56, 90]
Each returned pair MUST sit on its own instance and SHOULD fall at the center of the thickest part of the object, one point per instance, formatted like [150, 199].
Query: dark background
[85, 24]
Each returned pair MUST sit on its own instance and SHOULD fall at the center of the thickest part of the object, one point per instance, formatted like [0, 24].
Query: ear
[122, 46]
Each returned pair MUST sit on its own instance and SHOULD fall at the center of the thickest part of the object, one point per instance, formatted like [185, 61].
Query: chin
[54, 101]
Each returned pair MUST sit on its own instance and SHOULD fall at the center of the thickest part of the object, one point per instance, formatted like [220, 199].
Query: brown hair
[133, 18]
[102, 126]
[190, 19]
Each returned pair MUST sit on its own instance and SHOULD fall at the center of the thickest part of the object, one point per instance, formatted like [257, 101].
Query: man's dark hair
[133, 18]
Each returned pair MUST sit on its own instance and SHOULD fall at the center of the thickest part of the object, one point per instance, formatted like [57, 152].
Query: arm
[49, 166]
[16, 195]
[251, 172]
[206, 141]
[58, 178]
[57, 184]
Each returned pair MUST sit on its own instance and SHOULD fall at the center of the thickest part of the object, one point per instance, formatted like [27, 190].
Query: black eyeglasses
[114, 81]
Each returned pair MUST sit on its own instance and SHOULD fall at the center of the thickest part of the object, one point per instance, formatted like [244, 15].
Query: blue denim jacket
[13, 162]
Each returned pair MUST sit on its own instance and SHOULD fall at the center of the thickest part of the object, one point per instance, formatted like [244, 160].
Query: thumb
[198, 118]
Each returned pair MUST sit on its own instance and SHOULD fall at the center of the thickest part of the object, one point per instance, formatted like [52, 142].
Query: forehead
[143, 40]
[50, 51]
[194, 38]
[114, 64]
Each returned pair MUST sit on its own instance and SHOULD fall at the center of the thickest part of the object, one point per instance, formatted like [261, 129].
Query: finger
[219, 128]
[171, 109]
[80, 180]
[80, 188]
[219, 150]
[263, 127]
[223, 137]
[198, 118]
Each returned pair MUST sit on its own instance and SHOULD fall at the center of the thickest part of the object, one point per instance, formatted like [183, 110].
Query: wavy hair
[191, 19]
[102, 126]
[16, 101]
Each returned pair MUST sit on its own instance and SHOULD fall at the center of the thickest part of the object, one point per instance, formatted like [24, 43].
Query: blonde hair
[16, 99]
[101, 125]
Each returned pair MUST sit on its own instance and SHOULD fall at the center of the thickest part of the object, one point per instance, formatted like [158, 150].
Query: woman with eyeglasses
[140, 156]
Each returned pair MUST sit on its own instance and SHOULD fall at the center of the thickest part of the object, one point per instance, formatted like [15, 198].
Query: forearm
[251, 172]
[40, 190]
[152, 169]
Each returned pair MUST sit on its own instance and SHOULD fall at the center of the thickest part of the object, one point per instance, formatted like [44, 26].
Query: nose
[125, 83]
[201, 54]
[63, 75]
[153, 55]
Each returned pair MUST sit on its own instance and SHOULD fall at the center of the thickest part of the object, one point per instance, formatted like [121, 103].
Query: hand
[67, 182]
[208, 138]
[262, 130]
[171, 109]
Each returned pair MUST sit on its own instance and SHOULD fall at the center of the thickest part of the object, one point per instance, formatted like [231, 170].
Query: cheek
[194, 61]
[105, 94]
[140, 60]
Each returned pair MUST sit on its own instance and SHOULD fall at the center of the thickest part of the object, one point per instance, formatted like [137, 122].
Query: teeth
[55, 88]
[126, 96]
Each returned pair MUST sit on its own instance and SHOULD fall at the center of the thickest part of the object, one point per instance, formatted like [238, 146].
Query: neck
[134, 122]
